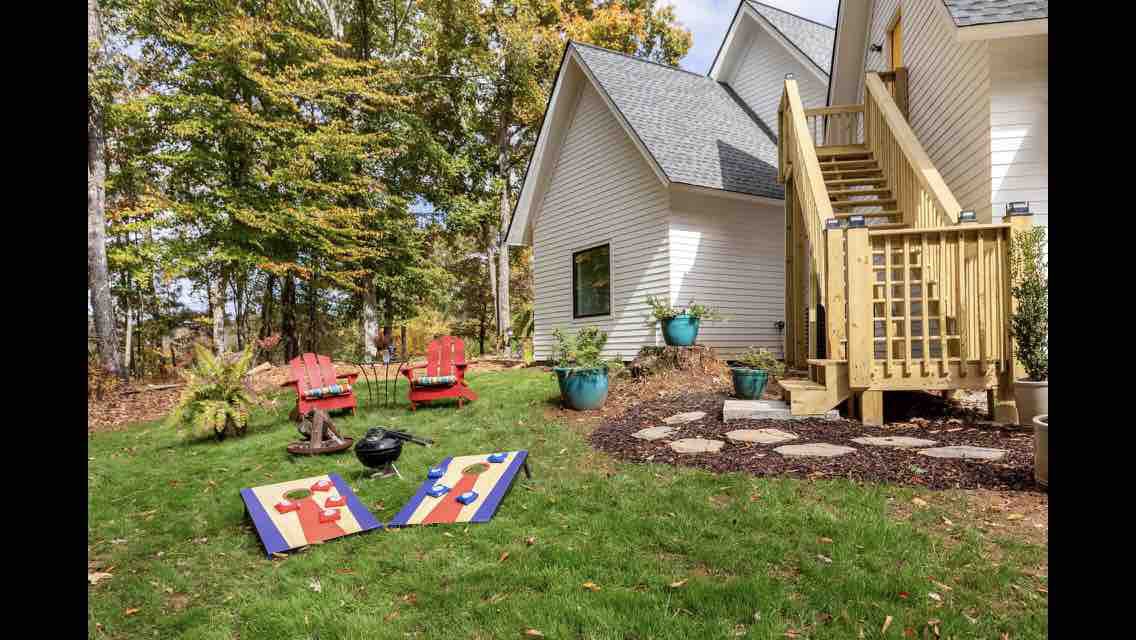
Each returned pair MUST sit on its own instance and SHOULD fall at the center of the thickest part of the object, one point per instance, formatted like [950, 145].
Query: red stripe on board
[314, 530]
[448, 510]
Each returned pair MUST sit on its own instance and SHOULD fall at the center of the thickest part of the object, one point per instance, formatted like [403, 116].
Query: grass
[749, 557]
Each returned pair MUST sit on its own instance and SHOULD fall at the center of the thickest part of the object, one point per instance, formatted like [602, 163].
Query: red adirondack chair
[314, 372]
[445, 373]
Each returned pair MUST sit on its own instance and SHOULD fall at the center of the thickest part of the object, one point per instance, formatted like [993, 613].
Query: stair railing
[920, 191]
[836, 125]
[798, 162]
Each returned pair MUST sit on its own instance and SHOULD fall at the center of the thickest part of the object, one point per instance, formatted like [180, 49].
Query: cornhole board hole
[292, 514]
[471, 489]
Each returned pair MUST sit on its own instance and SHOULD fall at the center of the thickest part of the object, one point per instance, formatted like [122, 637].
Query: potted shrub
[580, 371]
[752, 371]
[1029, 326]
[215, 400]
[680, 324]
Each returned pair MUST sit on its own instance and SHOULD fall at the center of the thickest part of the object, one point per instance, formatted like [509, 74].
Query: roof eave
[999, 30]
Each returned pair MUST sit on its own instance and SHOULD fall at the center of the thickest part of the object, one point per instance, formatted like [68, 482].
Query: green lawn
[165, 515]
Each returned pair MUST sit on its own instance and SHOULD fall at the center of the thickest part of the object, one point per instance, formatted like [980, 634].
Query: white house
[978, 89]
[651, 180]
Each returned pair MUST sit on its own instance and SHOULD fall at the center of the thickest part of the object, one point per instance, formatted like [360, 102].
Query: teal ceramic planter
[582, 389]
[680, 331]
[749, 383]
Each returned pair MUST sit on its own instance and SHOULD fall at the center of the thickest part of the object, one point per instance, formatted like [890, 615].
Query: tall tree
[98, 277]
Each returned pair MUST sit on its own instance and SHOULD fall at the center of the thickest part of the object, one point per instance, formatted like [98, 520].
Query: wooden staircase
[825, 388]
[856, 185]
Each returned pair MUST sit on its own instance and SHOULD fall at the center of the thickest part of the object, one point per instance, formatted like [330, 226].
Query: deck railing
[919, 190]
[836, 125]
[799, 163]
[922, 304]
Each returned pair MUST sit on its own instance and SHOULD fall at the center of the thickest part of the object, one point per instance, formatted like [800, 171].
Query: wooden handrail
[798, 155]
[921, 192]
[840, 108]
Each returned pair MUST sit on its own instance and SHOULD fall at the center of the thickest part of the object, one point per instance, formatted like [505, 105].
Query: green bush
[661, 309]
[215, 400]
[1029, 275]
[582, 350]
[755, 358]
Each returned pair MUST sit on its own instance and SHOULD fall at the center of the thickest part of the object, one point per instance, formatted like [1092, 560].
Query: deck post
[860, 332]
[835, 322]
[870, 404]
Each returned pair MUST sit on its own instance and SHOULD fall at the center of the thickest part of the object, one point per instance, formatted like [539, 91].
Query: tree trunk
[217, 302]
[126, 351]
[266, 307]
[313, 317]
[98, 278]
[370, 322]
[288, 318]
[504, 319]
[490, 251]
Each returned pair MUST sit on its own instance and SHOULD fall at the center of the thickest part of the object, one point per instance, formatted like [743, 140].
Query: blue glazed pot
[680, 331]
[749, 383]
[582, 389]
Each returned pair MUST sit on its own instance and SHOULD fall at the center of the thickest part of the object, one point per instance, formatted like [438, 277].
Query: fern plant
[215, 400]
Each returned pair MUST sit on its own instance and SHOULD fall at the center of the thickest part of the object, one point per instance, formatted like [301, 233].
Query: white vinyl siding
[730, 254]
[759, 78]
[1019, 125]
[601, 191]
[948, 94]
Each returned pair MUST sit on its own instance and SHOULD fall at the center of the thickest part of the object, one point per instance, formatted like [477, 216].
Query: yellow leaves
[679, 584]
[887, 623]
[532, 633]
[591, 586]
[95, 577]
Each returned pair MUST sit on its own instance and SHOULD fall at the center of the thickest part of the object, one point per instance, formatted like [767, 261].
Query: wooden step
[875, 202]
[824, 151]
[798, 386]
[868, 214]
[849, 164]
[855, 182]
[858, 192]
[852, 173]
[889, 225]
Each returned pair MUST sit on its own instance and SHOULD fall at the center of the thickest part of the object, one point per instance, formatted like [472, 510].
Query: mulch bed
[918, 415]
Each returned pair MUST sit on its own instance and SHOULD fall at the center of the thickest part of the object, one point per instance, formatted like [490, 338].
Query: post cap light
[789, 76]
[856, 221]
[1017, 209]
[832, 223]
[967, 216]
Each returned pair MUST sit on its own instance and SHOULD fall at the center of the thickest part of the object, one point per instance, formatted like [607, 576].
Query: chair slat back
[306, 370]
[442, 354]
[327, 371]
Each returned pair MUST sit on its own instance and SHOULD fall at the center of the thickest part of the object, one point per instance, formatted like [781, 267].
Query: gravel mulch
[946, 423]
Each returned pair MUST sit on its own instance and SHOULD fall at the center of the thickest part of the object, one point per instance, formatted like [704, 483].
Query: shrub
[661, 309]
[1029, 275]
[755, 358]
[582, 350]
[215, 400]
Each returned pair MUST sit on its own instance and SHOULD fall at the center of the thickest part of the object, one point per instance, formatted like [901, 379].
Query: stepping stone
[813, 450]
[766, 410]
[899, 442]
[654, 433]
[761, 436]
[965, 452]
[697, 445]
[683, 418]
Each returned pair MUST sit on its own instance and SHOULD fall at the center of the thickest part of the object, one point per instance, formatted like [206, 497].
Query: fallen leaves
[132, 611]
[919, 502]
[591, 586]
[315, 585]
[824, 540]
[533, 633]
[679, 584]
[504, 556]
[95, 577]
[934, 596]
[826, 559]
[887, 623]
[530, 541]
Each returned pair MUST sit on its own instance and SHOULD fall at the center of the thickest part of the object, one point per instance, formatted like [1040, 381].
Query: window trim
[610, 289]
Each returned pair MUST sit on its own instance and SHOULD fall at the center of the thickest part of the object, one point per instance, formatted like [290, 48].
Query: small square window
[591, 282]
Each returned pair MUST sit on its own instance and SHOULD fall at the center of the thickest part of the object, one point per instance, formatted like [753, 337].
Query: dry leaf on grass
[533, 633]
[679, 584]
[315, 585]
[591, 586]
[504, 556]
[934, 596]
[97, 576]
[824, 558]
[132, 611]
[530, 541]
[887, 623]
[919, 502]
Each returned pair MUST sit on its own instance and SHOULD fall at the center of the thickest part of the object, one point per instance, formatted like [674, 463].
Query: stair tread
[801, 385]
[836, 164]
[859, 192]
[843, 150]
[851, 172]
[869, 214]
[872, 202]
[855, 181]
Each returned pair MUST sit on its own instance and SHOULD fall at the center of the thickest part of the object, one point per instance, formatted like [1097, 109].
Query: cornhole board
[303, 526]
[461, 474]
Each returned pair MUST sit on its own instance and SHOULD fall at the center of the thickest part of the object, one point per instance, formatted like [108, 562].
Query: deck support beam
[870, 406]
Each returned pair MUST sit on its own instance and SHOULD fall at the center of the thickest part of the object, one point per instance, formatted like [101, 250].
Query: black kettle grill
[380, 447]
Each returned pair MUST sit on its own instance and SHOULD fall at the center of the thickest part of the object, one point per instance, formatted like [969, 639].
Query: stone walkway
[771, 436]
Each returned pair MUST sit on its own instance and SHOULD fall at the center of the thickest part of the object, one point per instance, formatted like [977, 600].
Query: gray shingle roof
[972, 12]
[812, 38]
[694, 127]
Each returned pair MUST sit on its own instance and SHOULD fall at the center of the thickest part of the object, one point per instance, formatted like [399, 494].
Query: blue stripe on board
[366, 520]
[403, 516]
[489, 507]
[269, 534]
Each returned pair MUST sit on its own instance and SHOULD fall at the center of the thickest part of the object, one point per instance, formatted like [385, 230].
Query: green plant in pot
[680, 324]
[752, 370]
[580, 370]
[216, 401]
[1029, 326]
